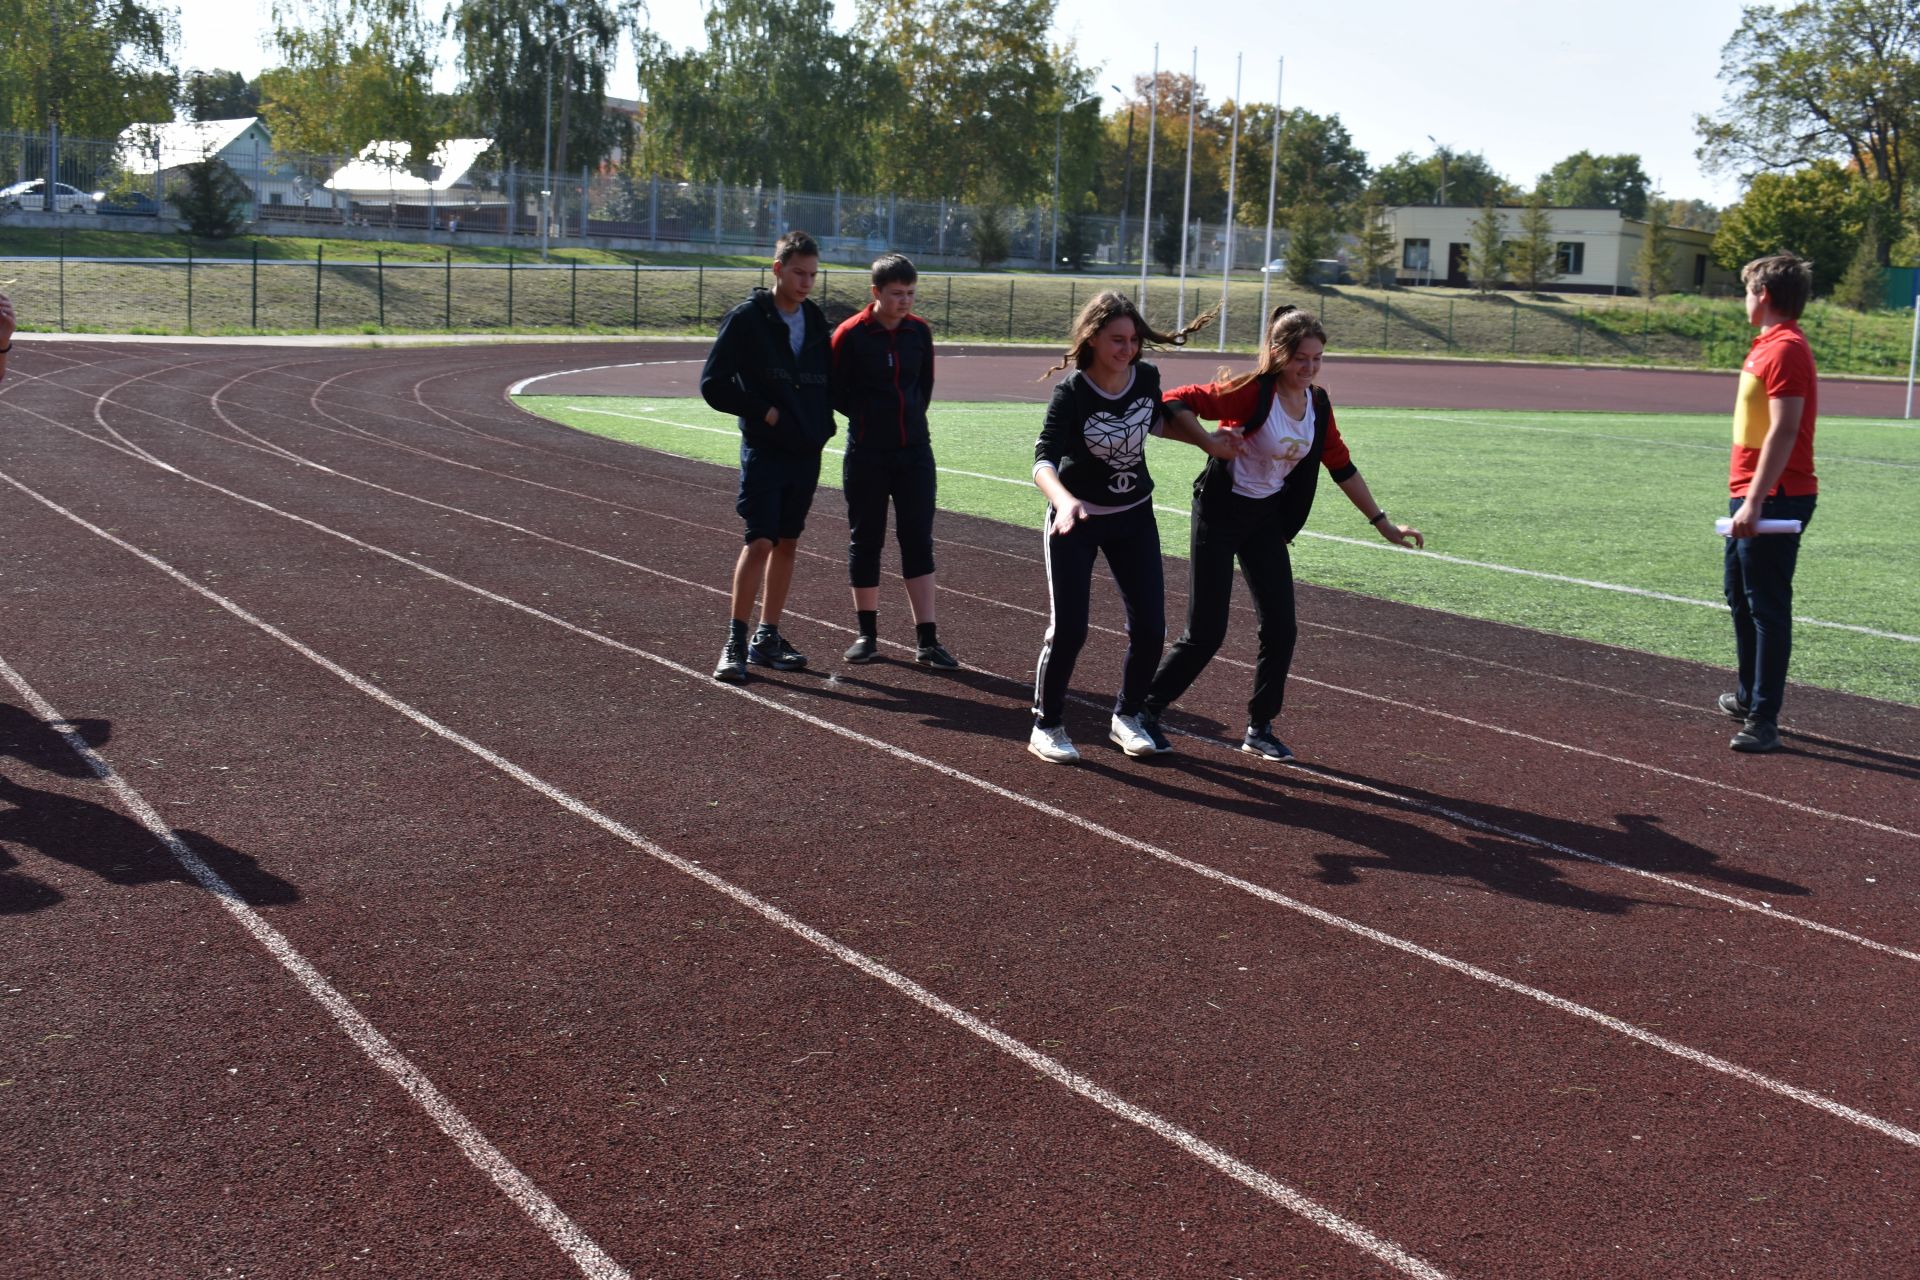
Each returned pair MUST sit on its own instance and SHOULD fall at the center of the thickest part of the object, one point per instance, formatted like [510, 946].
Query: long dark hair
[1102, 310]
[1287, 327]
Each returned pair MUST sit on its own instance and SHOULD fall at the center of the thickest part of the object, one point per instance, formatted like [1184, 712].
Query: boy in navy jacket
[770, 368]
[883, 383]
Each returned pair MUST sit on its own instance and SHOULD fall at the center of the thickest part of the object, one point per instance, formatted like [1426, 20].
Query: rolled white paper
[1724, 525]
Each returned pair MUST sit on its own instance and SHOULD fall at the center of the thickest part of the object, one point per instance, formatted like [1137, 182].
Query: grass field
[1624, 500]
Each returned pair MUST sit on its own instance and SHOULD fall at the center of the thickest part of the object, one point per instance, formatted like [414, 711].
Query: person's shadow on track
[983, 707]
[95, 837]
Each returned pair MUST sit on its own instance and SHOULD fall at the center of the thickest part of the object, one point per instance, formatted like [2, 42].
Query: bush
[212, 200]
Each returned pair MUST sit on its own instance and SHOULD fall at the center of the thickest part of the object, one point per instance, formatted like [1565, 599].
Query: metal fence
[615, 208]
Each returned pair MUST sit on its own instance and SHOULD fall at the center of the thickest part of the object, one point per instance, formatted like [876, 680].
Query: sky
[1525, 86]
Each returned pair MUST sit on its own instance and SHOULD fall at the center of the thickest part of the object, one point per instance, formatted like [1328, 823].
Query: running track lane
[998, 907]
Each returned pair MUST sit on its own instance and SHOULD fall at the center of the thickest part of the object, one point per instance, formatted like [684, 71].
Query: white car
[33, 195]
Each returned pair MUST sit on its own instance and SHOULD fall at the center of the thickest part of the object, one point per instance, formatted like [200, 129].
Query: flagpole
[1273, 185]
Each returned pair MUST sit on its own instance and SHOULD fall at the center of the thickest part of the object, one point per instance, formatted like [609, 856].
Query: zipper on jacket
[893, 362]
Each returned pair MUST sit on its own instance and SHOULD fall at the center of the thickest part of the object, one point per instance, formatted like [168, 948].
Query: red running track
[442, 917]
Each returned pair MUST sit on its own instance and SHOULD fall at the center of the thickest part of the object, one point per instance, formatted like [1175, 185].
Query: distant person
[1770, 477]
[883, 383]
[6, 332]
[1250, 508]
[1091, 464]
[770, 368]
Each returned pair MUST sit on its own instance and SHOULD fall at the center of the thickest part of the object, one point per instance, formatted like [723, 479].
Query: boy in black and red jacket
[883, 383]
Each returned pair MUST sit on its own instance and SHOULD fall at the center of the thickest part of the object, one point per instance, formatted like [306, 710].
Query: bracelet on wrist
[1377, 517]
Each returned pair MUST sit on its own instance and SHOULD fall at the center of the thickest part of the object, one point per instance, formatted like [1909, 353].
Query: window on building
[1573, 257]
[1699, 270]
[1417, 255]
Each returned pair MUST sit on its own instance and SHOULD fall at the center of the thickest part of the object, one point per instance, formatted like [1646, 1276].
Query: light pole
[1053, 254]
[1126, 184]
[1437, 146]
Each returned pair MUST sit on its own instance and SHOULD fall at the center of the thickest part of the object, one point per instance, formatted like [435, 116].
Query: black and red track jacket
[883, 380]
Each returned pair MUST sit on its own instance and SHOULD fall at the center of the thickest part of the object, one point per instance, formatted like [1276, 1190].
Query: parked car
[1325, 270]
[134, 204]
[32, 194]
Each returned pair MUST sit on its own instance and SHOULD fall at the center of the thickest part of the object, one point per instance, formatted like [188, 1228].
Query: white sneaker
[1052, 746]
[1126, 733]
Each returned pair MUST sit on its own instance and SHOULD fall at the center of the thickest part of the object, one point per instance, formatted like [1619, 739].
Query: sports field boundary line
[1700, 1058]
[467, 1138]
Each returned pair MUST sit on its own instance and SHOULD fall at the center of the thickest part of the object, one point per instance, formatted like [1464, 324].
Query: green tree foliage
[1310, 232]
[1319, 164]
[1823, 79]
[1653, 263]
[972, 90]
[351, 71]
[1374, 243]
[1487, 252]
[523, 60]
[1697, 215]
[1586, 181]
[1534, 258]
[1411, 179]
[990, 238]
[211, 199]
[91, 67]
[1819, 212]
[777, 96]
[218, 95]
[1864, 286]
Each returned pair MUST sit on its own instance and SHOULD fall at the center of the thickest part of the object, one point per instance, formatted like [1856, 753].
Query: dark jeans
[1130, 540]
[1759, 586]
[776, 492]
[870, 479]
[1247, 528]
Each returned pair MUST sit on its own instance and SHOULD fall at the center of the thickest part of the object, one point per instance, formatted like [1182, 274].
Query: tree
[1411, 179]
[89, 67]
[1864, 287]
[1823, 79]
[990, 241]
[1487, 249]
[1586, 181]
[1695, 214]
[211, 198]
[1653, 264]
[1310, 231]
[776, 96]
[1535, 257]
[514, 53]
[1819, 212]
[352, 71]
[218, 95]
[1374, 243]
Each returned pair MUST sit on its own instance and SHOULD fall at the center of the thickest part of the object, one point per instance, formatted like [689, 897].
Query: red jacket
[883, 380]
[1248, 406]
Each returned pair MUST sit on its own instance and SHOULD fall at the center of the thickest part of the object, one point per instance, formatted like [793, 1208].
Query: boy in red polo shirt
[1770, 477]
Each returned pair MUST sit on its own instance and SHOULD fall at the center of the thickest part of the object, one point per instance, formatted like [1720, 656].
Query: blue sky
[1523, 85]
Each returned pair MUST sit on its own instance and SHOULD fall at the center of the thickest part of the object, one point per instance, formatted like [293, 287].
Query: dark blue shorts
[776, 492]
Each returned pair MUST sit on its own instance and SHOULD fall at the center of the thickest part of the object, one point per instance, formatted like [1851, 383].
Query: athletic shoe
[863, 649]
[1261, 742]
[1756, 737]
[1731, 704]
[1052, 746]
[770, 649]
[733, 663]
[1125, 732]
[936, 655]
[1150, 725]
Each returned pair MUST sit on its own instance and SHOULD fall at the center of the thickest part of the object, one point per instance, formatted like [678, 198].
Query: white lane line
[1719, 450]
[535, 1203]
[1685, 1052]
[1266, 1185]
[1378, 544]
[520, 387]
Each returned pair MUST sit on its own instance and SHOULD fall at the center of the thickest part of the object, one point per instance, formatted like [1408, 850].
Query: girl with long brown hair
[1249, 507]
[1090, 462]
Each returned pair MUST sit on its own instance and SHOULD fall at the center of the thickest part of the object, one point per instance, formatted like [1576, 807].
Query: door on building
[1457, 266]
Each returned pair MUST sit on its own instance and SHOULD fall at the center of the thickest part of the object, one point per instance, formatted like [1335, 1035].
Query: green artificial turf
[1621, 499]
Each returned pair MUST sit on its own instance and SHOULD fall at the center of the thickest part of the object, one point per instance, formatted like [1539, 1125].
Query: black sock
[869, 622]
[737, 630]
[927, 632]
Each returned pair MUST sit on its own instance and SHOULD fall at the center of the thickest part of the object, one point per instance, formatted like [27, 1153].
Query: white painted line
[535, 1203]
[1719, 450]
[520, 387]
[1216, 1158]
[1698, 1057]
[1377, 544]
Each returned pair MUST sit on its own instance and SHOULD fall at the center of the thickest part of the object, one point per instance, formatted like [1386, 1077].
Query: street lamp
[1053, 256]
[1438, 146]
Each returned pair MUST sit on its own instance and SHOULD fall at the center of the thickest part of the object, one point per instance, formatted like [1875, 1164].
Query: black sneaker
[1261, 742]
[1150, 725]
[936, 655]
[770, 649]
[733, 663]
[1731, 704]
[863, 649]
[1756, 737]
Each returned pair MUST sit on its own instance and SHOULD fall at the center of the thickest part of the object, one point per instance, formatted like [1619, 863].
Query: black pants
[870, 478]
[1130, 540]
[1223, 528]
[1758, 580]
